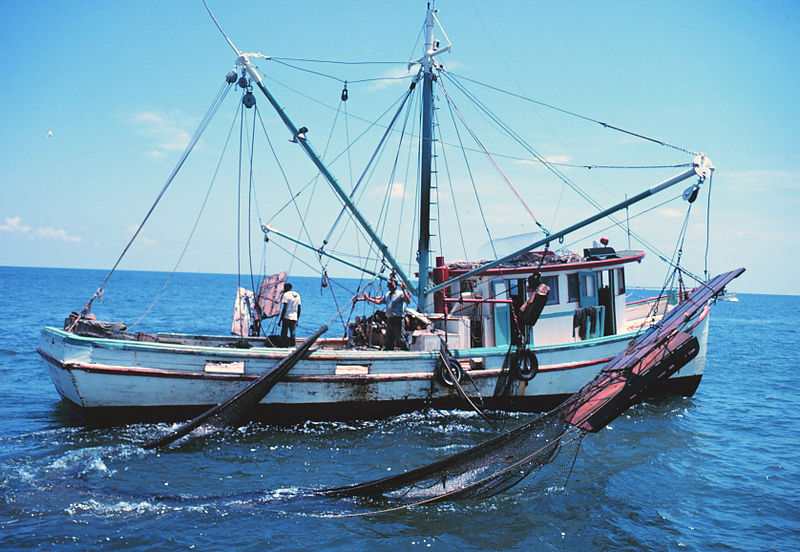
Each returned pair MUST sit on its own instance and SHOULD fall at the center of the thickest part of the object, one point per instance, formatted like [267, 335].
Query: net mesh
[500, 463]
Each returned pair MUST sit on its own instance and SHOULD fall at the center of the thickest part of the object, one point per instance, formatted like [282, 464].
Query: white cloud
[377, 193]
[394, 77]
[15, 225]
[163, 130]
[50, 233]
[671, 213]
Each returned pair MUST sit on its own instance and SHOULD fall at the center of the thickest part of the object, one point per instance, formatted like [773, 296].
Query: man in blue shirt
[395, 300]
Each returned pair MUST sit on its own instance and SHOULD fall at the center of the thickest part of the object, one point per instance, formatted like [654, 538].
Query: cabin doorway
[606, 300]
[502, 314]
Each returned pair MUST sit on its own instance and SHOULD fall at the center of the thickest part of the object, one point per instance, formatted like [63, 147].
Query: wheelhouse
[587, 299]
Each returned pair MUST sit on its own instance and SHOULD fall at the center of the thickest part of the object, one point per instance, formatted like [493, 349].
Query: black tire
[444, 375]
[526, 365]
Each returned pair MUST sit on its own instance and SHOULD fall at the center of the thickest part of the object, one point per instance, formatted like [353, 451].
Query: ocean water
[718, 471]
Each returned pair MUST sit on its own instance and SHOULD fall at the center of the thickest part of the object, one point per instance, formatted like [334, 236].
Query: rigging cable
[561, 176]
[347, 150]
[285, 177]
[577, 115]
[375, 153]
[168, 279]
[340, 79]
[414, 109]
[383, 215]
[239, 204]
[324, 155]
[250, 192]
[435, 168]
[338, 62]
[587, 166]
[494, 163]
[216, 102]
[471, 177]
[452, 191]
[708, 226]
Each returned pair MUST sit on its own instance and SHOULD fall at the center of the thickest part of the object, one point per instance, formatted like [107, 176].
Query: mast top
[432, 46]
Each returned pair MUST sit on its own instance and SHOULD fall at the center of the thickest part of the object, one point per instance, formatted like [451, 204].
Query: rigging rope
[452, 189]
[340, 79]
[239, 204]
[338, 62]
[587, 166]
[375, 153]
[561, 176]
[216, 102]
[708, 226]
[250, 192]
[336, 158]
[494, 163]
[168, 279]
[285, 176]
[577, 115]
[471, 176]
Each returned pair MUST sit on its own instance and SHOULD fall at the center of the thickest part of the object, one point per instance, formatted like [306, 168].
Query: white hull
[97, 373]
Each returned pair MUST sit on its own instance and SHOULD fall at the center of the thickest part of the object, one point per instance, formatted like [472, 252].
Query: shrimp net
[500, 463]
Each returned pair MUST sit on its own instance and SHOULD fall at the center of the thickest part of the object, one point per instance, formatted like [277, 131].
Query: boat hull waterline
[110, 379]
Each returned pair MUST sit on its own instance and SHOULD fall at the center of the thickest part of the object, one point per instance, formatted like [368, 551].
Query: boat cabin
[586, 299]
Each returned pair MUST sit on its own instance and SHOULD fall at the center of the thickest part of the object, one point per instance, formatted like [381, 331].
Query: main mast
[426, 155]
[426, 152]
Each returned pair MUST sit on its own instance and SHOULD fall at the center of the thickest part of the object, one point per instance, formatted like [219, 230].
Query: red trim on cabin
[475, 300]
[560, 267]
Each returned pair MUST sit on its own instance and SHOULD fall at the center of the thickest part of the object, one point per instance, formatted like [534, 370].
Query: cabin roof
[623, 257]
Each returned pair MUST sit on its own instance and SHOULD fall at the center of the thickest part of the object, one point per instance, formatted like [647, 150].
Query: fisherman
[530, 311]
[395, 300]
[290, 314]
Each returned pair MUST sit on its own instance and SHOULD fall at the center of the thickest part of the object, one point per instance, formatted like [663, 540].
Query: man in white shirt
[290, 314]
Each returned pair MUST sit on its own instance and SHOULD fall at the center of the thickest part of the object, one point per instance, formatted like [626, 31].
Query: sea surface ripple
[718, 471]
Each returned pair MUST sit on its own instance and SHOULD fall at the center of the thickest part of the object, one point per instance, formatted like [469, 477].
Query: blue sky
[123, 85]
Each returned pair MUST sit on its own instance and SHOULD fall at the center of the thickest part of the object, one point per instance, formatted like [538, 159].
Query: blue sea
[717, 471]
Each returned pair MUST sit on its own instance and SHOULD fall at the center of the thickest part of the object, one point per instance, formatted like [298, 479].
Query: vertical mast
[423, 250]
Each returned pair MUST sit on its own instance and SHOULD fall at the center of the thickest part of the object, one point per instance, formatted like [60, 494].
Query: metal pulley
[345, 95]
[690, 193]
[243, 82]
[249, 100]
[230, 78]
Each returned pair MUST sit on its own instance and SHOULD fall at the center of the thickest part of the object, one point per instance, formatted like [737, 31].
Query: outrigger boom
[701, 167]
[243, 60]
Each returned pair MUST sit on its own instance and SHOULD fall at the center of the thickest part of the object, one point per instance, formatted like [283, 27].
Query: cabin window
[552, 296]
[620, 281]
[573, 288]
[513, 289]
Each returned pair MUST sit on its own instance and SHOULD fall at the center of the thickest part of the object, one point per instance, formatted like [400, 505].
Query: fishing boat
[519, 331]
